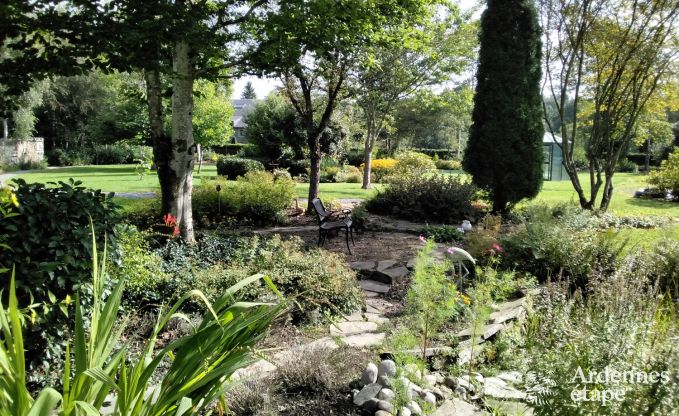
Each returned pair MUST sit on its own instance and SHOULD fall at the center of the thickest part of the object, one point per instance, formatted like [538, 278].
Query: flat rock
[351, 328]
[370, 294]
[511, 304]
[374, 286]
[457, 407]
[486, 332]
[364, 340]
[467, 354]
[509, 408]
[467, 343]
[385, 264]
[497, 388]
[411, 264]
[374, 317]
[363, 265]
[507, 314]
[368, 392]
[396, 273]
[354, 317]
[430, 352]
[510, 376]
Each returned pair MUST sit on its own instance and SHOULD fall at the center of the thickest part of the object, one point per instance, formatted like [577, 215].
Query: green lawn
[121, 178]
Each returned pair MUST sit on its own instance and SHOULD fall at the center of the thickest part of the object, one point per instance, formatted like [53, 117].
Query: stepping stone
[375, 317]
[510, 376]
[373, 286]
[497, 388]
[369, 339]
[362, 265]
[457, 407]
[368, 392]
[354, 317]
[370, 294]
[511, 305]
[430, 352]
[486, 332]
[509, 407]
[411, 264]
[466, 355]
[352, 328]
[505, 315]
[385, 264]
[371, 309]
[396, 273]
[467, 343]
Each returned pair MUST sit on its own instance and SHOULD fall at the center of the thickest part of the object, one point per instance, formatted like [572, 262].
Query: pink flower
[497, 248]
[422, 239]
[170, 220]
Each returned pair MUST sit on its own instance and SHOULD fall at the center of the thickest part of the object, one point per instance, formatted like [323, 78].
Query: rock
[520, 302]
[383, 413]
[413, 371]
[386, 406]
[369, 375]
[411, 264]
[466, 355]
[509, 407]
[364, 340]
[465, 384]
[376, 318]
[505, 315]
[368, 392]
[385, 264]
[383, 381]
[428, 397]
[456, 407]
[461, 391]
[396, 273]
[373, 286]
[352, 328]
[387, 368]
[404, 412]
[370, 294]
[510, 376]
[414, 408]
[363, 265]
[468, 343]
[450, 381]
[439, 377]
[354, 317]
[370, 406]
[386, 394]
[438, 393]
[429, 380]
[497, 388]
[486, 332]
[257, 370]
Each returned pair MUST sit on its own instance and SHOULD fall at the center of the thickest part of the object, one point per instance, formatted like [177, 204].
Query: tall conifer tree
[505, 152]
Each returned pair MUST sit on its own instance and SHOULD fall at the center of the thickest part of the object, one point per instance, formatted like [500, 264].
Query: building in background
[241, 108]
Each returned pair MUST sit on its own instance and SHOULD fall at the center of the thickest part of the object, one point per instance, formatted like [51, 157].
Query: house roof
[241, 108]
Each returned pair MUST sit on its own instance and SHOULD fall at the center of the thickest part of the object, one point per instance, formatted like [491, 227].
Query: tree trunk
[647, 159]
[5, 129]
[183, 147]
[607, 193]
[367, 168]
[315, 169]
[162, 144]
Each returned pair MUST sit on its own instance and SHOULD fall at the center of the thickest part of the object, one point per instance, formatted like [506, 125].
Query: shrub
[77, 157]
[116, 154]
[442, 234]
[381, 167]
[626, 165]
[255, 198]
[667, 177]
[413, 162]
[439, 198]
[349, 174]
[30, 164]
[328, 174]
[296, 167]
[51, 242]
[448, 164]
[233, 167]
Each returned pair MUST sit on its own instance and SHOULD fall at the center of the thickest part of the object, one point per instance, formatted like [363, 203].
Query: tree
[249, 92]
[273, 127]
[504, 154]
[613, 55]
[429, 54]
[213, 113]
[312, 46]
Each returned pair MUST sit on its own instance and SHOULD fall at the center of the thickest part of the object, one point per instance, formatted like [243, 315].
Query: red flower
[170, 220]
[497, 247]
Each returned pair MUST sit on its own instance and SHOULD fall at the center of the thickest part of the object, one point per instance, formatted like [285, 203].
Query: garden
[373, 242]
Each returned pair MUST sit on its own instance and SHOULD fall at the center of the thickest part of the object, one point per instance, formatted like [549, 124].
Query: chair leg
[351, 233]
[346, 235]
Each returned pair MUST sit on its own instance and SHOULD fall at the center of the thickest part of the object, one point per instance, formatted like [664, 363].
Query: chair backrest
[321, 213]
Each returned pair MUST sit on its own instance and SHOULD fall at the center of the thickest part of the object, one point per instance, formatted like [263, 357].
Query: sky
[263, 86]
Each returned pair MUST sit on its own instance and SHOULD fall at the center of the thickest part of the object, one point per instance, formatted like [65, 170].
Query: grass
[122, 178]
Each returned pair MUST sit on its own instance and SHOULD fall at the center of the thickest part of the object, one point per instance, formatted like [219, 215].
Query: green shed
[553, 169]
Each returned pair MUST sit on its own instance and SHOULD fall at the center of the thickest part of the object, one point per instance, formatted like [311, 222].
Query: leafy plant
[413, 162]
[233, 167]
[439, 198]
[667, 177]
[196, 376]
[442, 234]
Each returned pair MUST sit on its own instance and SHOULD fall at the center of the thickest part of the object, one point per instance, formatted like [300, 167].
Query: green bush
[77, 157]
[413, 162]
[438, 198]
[442, 234]
[51, 246]
[255, 198]
[349, 174]
[328, 174]
[115, 154]
[667, 177]
[233, 167]
[448, 164]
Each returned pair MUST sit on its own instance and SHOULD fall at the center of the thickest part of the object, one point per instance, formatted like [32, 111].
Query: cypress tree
[504, 154]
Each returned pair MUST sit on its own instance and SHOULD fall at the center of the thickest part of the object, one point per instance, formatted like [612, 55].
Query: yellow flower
[466, 299]
[67, 301]
[34, 316]
[14, 199]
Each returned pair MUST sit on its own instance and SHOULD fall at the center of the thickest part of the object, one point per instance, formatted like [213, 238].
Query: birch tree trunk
[180, 169]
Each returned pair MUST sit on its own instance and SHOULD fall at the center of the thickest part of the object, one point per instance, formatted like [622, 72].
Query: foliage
[233, 167]
[442, 234]
[349, 174]
[257, 197]
[617, 323]
[413, 163]
[227, 334]
[432, 298]
[507, 106]
[381, 168]
[667, 177]
[105, 154]
[439, 198]
[249, 92]
[212, 114]
[51, 245]
[449, 164]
